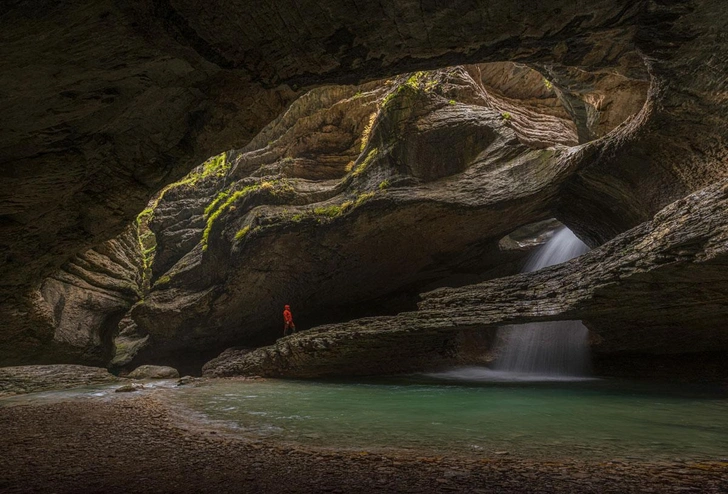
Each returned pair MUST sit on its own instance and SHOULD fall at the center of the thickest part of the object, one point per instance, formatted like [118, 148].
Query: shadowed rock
[74, 315]
[393, 214]
[92, 129]
[658, 288]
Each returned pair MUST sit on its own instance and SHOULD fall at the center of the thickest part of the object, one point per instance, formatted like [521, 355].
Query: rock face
[92, 129]
[318, 211]
[76, 311]
[34, 378]
[659, 288]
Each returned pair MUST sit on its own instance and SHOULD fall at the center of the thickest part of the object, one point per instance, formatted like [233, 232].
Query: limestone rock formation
[659, 288]
[104, 103]
[344, 350]
[356, 194]
[76, 311]
[34, 378]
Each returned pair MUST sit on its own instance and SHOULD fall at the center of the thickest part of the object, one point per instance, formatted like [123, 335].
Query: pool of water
[470, 410]
[439, 414]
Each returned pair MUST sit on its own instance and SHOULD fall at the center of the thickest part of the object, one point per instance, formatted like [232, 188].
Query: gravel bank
[138, 444]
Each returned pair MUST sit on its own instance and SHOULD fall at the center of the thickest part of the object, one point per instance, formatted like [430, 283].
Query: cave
[175, 172]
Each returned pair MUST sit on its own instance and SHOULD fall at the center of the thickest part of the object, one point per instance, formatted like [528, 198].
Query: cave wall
[654, 296]
[120, 99]
[350, 204]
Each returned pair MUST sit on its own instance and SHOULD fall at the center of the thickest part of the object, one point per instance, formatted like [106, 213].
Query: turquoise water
[436, 414]
[469, 411]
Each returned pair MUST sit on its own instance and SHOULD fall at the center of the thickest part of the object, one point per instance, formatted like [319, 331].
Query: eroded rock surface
[355, 195]
[34, 378]
[659, 288]
[74, 315]
[92, 129]
[338, 350]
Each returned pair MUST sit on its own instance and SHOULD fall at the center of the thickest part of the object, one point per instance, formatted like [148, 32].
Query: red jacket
[287, 317]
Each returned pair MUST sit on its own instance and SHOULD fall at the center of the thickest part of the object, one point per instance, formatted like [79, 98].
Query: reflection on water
[487, 375]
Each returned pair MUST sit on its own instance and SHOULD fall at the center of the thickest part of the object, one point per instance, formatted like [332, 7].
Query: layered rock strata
[660, 288]
[92, 129]
[74, 315]
[354, 195]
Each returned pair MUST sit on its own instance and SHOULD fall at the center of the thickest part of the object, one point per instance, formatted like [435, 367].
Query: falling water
[547, 348]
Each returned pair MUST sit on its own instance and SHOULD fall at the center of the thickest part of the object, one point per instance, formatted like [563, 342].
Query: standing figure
[288, 320]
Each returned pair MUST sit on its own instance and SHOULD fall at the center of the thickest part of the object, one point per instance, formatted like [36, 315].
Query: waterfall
[557, 348]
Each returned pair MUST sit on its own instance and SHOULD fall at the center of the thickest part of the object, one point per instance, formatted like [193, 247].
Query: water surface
[473, 411]
[432, 413]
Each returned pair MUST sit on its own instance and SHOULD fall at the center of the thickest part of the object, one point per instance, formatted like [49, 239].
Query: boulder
[153, 372]
[129, 388]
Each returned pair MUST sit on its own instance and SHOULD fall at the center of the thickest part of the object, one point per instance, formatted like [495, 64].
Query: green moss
[242, 233]
[217, 165]
[548, 84]
[221, 196]
[452, 102]
[363, 198]
[147, 215]
[367, 161]
[506, 116]
[334, 210]
[163, 280]
[389, 97]
[383, 185]
[283, 187]
[299, 217]
[415, 79]
[330, 211]
[367, 131]
[224, 205]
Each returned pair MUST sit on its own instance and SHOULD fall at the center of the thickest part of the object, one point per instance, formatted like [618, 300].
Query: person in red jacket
[288, 320]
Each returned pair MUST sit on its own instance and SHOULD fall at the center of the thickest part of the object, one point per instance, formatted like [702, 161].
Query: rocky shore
[140, 444]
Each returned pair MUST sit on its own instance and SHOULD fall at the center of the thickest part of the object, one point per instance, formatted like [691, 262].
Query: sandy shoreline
[139, 444]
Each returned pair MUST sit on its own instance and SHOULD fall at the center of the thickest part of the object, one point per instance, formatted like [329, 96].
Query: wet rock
[153, 372]
[183, 381]
[129, 388]
[33, 378]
